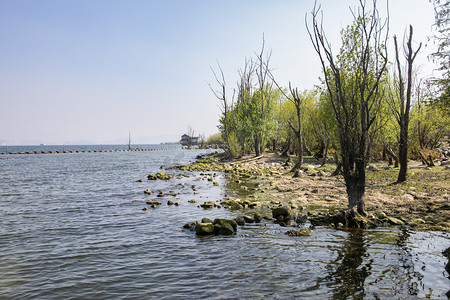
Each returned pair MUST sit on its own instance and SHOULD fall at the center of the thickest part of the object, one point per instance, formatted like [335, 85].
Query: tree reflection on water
[389, 269]
[348, 273]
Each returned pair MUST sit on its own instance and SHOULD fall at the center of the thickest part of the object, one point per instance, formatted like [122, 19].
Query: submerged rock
[302, 232]
[190, 226]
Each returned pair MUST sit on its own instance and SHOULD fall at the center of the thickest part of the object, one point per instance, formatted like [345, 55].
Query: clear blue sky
[73, 71]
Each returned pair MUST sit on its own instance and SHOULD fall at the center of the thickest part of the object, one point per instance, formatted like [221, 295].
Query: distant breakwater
[84, 151]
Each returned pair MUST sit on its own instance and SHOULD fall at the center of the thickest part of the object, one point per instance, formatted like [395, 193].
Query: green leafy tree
[352, 81]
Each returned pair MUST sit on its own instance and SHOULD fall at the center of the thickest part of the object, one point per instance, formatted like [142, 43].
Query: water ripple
[72, 226]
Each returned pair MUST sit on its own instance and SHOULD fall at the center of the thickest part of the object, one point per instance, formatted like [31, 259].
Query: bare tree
[265, 89]
[297, 100]
[222, 96]
[401, 103]
[352, 80]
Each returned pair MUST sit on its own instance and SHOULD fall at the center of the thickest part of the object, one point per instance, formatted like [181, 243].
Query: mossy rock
[208, 204]
[226, 221]
[281, 211]
[257, 217]
[206, 220]
[240, 220]
[226, 229]
[204, 228]
[232, 204]
[249, 219]
[417, 221]
[152, 177]
[148, 192]
[395, 221]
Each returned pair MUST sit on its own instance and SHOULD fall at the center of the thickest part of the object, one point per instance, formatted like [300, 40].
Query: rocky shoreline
[265, 186]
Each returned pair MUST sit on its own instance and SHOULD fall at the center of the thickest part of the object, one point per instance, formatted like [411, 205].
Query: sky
[78, 72]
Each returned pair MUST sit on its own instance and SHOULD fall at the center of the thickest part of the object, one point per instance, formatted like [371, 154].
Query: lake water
[72, 227]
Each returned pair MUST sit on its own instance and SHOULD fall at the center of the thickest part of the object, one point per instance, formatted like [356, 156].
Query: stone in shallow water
[249, 219]
[226, 229]
[240, 220]
[208, 204]
[303, 232]
[206, 220]
[226, 221]
[282, 211]
[204, 228]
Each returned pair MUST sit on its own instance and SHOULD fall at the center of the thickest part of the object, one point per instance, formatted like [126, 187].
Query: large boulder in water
[206, 220]
[204, 228]
[226, 229]
[221, 222]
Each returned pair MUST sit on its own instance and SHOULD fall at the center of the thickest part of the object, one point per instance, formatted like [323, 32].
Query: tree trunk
[356, 187]
[306, 148]
[287, 147]
[258, 146]
[299, 163]
[392, 154]
[298, 135]
[337, 171]
[403, 153]
[325, 155]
